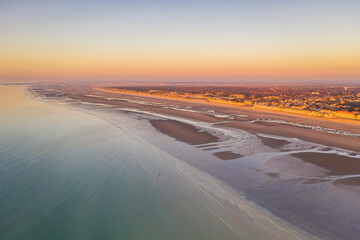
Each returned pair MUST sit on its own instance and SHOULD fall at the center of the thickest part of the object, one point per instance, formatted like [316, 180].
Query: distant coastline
[332, 116]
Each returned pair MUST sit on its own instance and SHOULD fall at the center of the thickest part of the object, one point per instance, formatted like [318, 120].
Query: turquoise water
[68, 175]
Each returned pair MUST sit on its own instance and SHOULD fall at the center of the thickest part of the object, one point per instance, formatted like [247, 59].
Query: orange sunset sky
[180, 41]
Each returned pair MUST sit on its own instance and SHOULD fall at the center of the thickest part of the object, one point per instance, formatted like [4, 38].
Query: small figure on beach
[158, 175]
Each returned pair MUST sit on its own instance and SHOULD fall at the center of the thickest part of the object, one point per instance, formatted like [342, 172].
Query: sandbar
[335, 164]
[227, 155]
[183, 132]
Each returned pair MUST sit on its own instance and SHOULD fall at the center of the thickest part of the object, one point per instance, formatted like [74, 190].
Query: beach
[304, 170]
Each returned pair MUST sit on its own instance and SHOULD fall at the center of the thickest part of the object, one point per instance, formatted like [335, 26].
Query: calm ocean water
[68, 175]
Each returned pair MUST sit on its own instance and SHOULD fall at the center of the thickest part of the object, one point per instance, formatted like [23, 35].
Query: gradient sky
[180, 40]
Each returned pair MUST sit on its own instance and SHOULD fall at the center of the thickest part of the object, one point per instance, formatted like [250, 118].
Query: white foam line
[178, 107]
[335, 178]
[336, 152]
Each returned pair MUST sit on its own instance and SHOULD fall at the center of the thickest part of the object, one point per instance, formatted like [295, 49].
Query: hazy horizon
[317, 83]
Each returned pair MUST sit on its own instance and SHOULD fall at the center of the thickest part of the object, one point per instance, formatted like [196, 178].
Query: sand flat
[335, 164]
[272, 142]
[227, 155]
[183, 132]
[351, 181]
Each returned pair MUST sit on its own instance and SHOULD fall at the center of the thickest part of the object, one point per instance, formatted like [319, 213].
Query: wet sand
[210, 149]
[333, 163]
[308, 135]
[227, 155]
[352, 181]
[273, 175]
[183, 132]
[272, 142]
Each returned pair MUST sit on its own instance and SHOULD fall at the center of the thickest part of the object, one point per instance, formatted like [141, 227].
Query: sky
[258, 40]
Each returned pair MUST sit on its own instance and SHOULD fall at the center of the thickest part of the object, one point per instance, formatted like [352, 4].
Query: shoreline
[234, 170]
[340, 120]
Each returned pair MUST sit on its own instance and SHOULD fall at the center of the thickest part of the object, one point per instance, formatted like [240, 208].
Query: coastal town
[328, 102]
